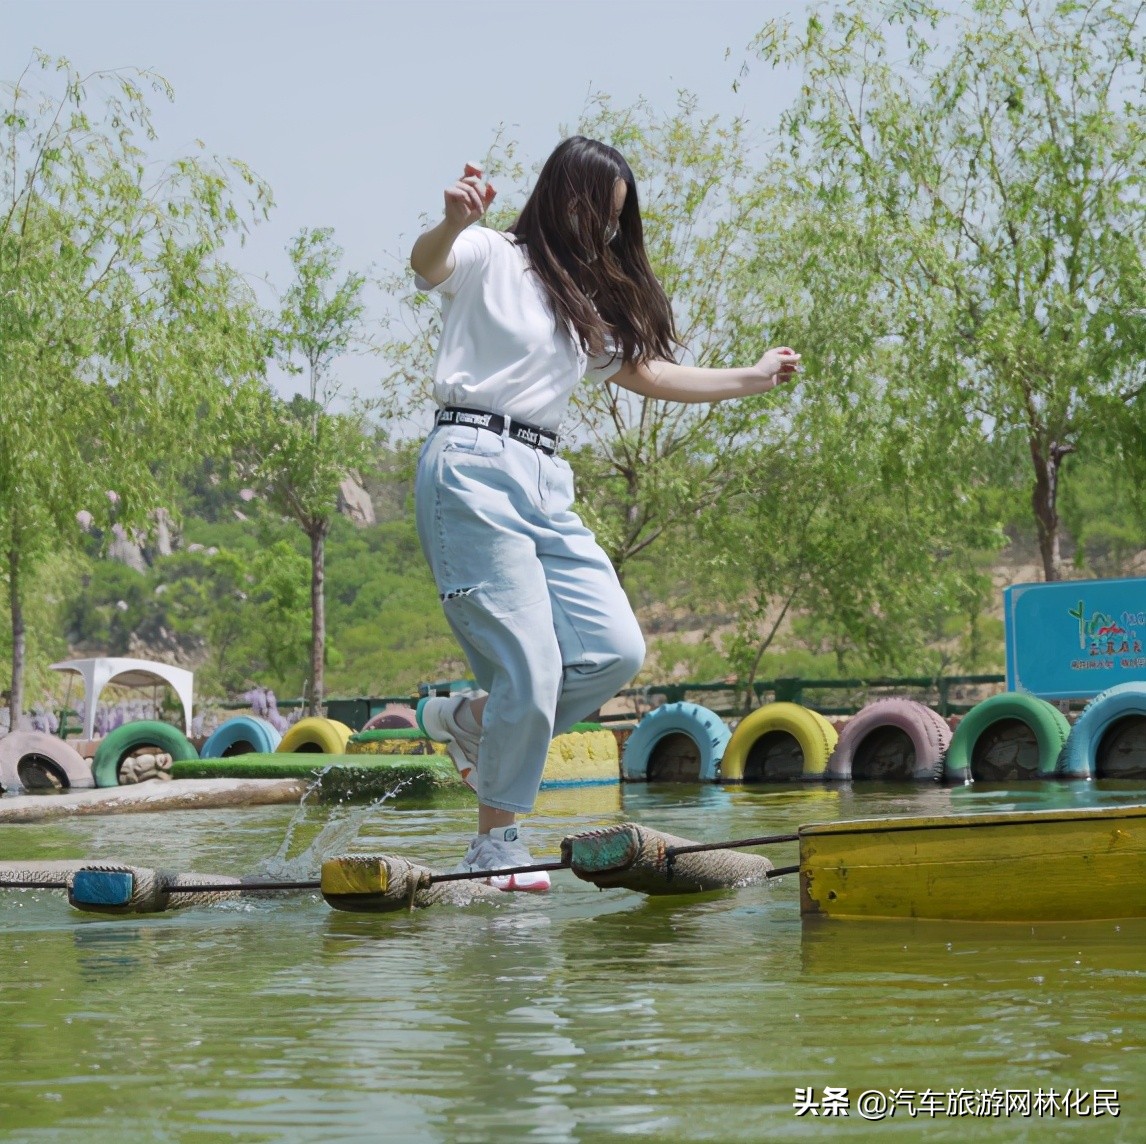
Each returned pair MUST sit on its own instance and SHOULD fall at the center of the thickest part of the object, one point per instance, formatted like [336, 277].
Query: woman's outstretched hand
[468, 199]
[778, 365]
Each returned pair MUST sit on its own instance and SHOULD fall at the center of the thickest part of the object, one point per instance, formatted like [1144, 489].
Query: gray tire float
[33, 759]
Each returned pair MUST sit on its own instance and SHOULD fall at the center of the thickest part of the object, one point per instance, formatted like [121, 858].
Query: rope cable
[458, 876]
[241, 887]
[467, 875]
[699, 847]
[780, 870]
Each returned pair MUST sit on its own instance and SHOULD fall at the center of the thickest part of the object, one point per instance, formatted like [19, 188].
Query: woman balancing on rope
[566, 292]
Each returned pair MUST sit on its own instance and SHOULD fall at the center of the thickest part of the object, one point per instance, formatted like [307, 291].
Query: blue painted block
[101, 888]
[1072, 639]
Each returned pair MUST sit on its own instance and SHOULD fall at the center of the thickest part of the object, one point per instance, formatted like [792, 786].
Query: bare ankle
[492, 817]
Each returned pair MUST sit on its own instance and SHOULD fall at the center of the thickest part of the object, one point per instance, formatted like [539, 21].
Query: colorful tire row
[33, 759]
[1006, 738]
[249, 735]
[1108, 740]
[782, 742]
[242, 735]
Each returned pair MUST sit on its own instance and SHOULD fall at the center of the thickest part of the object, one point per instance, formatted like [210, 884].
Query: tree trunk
[765, 644]
[317, 533]
[16, 696]
[1044, 501]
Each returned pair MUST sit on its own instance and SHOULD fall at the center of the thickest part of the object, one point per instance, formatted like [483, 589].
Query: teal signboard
[1074, 638]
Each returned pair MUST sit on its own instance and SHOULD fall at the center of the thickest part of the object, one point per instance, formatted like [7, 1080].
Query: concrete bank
[155, 795]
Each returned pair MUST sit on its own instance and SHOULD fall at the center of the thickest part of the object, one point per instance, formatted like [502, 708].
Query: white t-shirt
[501, 348]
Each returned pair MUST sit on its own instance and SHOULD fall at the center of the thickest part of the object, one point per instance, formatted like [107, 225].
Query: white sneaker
[501, 850]
[437, 718]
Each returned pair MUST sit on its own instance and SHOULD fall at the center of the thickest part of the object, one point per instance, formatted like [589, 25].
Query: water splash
[337, 827]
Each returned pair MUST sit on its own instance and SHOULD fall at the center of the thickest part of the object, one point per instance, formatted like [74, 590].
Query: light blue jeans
[530, 596]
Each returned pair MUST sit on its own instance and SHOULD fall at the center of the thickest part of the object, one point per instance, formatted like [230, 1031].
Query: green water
[574, 1016]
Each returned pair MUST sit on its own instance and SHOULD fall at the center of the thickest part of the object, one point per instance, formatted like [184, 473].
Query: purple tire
[392, 718]
[927, 732]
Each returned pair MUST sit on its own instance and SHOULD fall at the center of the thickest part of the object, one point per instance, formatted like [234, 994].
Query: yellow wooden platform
[1029, 865]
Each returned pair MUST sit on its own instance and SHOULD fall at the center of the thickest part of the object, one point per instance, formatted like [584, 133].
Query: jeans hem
[510, 807]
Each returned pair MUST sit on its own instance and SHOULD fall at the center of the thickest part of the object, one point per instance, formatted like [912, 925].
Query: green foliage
[856, 533]
[703, 661]
[247, 613]
[235, 600]
[298, 452]
[949, 229]
[994, 175]
[1103, 510]
[113, 603]
[121, 323]
[59, 576]
[384, 612]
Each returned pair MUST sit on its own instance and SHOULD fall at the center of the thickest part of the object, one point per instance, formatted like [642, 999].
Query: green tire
[1048, 724]
[115, 747]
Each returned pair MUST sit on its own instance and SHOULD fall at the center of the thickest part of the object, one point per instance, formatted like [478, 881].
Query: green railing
[835, 696]
[828, 696]
[354, 712]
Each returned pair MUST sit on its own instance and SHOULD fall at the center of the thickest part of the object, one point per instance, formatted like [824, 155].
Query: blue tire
[705, 728]
[243, 735]
[1079, 758]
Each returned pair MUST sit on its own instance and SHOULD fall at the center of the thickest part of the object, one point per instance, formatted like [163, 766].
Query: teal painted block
[609, 850]
[102, 888]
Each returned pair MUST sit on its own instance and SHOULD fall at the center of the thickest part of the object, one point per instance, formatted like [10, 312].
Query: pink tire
[22, 749]
[392, 717]
[927, 732]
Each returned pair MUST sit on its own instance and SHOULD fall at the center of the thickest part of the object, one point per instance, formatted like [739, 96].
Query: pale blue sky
[358, 113]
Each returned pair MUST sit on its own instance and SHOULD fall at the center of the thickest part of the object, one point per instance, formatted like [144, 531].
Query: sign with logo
[1071, 639]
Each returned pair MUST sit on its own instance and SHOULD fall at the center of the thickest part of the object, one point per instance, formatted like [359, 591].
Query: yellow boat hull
[1014, 866]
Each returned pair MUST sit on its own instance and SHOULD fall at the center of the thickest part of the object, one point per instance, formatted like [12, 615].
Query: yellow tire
[316, 736]
[814, 734]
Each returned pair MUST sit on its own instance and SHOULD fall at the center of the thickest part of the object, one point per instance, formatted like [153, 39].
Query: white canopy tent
[98, 673]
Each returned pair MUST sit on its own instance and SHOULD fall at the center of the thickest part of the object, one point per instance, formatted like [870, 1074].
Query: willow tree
[122, 328]
[995, 152]
[299, 451]
[829, 537]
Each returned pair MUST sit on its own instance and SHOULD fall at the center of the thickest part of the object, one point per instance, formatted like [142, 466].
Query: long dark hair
[605, 288]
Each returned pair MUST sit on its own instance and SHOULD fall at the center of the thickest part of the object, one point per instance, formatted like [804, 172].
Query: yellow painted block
[354, 874]
[1069, 865]
[396, 747]
[576, 757]
[582, 757]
